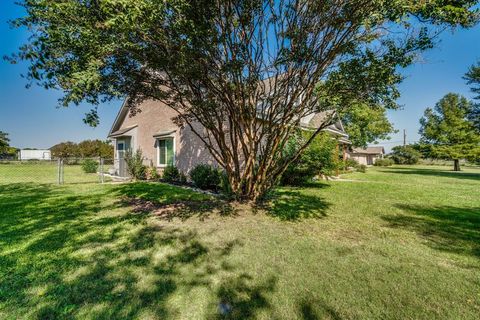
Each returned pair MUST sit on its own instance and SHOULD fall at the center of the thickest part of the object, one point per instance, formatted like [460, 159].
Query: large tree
[6, 151]
[473, 79]
[240, 73]
[366, 124]
[4, 140]
[449, 132]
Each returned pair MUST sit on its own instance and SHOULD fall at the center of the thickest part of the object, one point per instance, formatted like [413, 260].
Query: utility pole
[404, 137]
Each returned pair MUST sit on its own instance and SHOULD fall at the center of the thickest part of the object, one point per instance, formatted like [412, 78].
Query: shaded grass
[396, 244]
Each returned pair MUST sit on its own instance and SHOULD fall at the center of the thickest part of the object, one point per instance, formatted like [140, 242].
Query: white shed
[43, 154]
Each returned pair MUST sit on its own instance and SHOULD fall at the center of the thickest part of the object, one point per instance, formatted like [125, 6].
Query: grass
[400, 242]
[43, 172]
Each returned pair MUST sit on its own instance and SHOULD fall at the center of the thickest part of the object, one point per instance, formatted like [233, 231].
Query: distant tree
[4, 140]
[65, 150]
[473, 79]
[84, 149]
[366, 124]
[405, 155]
[95, 148]
[449, 132]
[6, 151]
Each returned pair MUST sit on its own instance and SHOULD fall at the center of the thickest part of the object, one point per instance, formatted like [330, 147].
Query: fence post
[62, 171]
[102, 180]
[58, 171]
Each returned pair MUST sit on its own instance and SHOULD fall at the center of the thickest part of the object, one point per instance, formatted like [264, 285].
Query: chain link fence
[57, 171]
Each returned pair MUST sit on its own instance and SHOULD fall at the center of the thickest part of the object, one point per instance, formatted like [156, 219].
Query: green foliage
[473, 79]
[84, 149]
[361, 168]
[225, 187]
[95, 148]
[217, 54]
[153, 173]
[405, 155]
[171, 174]
[4, 140]
[348, 163]
[319, 158]
[89, 166]
[6, 151]
[383, 162]
[365, 124]
[449, 132]
[65, 150]
[206, 177]
[135, 167]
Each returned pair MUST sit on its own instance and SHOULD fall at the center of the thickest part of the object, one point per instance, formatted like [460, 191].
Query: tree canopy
[84, 149]
[473, 79]
[246, 71]
[449, 132]
[4, 140]
[365, 124]
[6, 151]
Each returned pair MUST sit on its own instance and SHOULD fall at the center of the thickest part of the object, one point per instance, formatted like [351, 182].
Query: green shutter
[161, 154]
[169, 148]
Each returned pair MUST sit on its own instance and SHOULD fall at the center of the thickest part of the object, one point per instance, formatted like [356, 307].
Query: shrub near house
[319, 158]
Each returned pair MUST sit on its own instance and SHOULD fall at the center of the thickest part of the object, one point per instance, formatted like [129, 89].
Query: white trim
[158, 150]
[117, 118]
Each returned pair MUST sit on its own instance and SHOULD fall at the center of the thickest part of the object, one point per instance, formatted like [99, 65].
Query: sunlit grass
[400, 242]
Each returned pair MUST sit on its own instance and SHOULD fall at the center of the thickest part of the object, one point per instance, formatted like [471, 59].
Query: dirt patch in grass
[182, 209]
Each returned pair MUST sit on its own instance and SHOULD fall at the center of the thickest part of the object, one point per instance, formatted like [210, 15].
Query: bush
[135, 167]
[225, 186]
[361, 168]
[171, 174]
[89, 166]
[206, 177]
[319, 158]
[405, 155]
[153, 174]
[349, 163]
[383, 162]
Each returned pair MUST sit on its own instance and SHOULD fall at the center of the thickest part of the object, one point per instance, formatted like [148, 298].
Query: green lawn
[44, 172]
[394, 243]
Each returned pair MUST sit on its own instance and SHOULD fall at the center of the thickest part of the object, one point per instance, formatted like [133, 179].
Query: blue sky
[31, 118]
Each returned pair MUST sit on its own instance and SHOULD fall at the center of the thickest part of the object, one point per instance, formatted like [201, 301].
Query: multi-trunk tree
[241, 73]
[448, 132]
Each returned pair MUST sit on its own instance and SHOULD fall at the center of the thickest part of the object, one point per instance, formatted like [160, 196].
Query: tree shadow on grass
[240, 297]
[295, 204]
[69, 256]
[435, 172]
[446, 228]
[317, 310]
[169, 203]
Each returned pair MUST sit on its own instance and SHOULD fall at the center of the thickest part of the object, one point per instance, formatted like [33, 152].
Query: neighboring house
[368, 155]
[34, 154]
[164, 143]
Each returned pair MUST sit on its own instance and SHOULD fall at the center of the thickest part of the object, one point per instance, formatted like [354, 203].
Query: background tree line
[84, 149]
[6, 151]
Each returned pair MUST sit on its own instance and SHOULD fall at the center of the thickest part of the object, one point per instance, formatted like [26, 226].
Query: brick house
[163, 143]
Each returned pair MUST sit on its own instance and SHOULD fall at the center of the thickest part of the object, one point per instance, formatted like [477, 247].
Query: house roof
[369, 150]
[121, 132]
[312, 121]
[119, 118]
[163, 133]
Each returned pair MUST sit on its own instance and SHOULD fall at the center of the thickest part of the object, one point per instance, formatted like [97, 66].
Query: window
[166, 152]
[120, 146]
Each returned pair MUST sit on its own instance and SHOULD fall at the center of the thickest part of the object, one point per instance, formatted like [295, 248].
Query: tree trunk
[456, 165]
